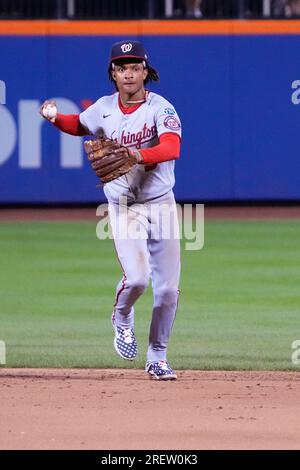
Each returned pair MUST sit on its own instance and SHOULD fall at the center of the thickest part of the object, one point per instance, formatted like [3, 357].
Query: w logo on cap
[126, 47]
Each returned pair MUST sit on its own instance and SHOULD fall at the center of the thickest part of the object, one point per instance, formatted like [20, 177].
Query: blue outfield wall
[233, 93]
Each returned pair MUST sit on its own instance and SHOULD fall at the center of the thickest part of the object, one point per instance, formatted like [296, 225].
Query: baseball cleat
[124, 341]
[160, 370]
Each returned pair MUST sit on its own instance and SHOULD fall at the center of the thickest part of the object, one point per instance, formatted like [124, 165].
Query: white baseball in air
[50, 111]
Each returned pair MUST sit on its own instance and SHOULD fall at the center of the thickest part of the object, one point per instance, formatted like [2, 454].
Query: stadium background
[228, 79]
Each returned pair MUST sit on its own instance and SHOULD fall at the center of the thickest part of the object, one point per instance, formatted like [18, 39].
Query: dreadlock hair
[153, 75]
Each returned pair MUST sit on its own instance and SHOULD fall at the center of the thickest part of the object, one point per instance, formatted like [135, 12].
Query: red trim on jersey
[124, 278]
[70, 124]
[167, 149]
[128, 109]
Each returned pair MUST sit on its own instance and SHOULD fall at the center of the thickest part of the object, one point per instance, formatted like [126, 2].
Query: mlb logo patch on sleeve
[172, 123]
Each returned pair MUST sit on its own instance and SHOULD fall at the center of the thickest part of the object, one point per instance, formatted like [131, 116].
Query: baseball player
[145, 129]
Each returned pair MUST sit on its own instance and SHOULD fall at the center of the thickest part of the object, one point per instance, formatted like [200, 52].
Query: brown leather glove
[109, 159]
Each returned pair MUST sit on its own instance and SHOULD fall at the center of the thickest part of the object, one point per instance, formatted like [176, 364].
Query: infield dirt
[123, 409]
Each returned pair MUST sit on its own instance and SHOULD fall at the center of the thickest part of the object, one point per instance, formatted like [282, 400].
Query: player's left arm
[168, 127]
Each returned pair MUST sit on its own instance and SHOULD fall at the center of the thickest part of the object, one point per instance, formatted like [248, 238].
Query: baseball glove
[109, 159]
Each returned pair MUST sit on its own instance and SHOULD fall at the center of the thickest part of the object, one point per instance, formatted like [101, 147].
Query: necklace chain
[135, 102]
[139, 101]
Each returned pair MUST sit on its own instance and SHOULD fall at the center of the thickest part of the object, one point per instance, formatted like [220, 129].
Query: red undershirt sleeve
[167, 149]
[70, 124]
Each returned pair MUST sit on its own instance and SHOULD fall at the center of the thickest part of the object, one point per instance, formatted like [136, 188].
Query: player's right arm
[69, 123]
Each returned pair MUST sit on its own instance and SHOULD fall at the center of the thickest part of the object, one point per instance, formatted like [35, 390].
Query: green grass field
[239, 305]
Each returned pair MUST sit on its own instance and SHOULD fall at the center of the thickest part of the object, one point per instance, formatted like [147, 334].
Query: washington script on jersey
[138, 138]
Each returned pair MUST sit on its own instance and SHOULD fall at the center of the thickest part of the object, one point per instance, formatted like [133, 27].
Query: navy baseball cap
[128, 49]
